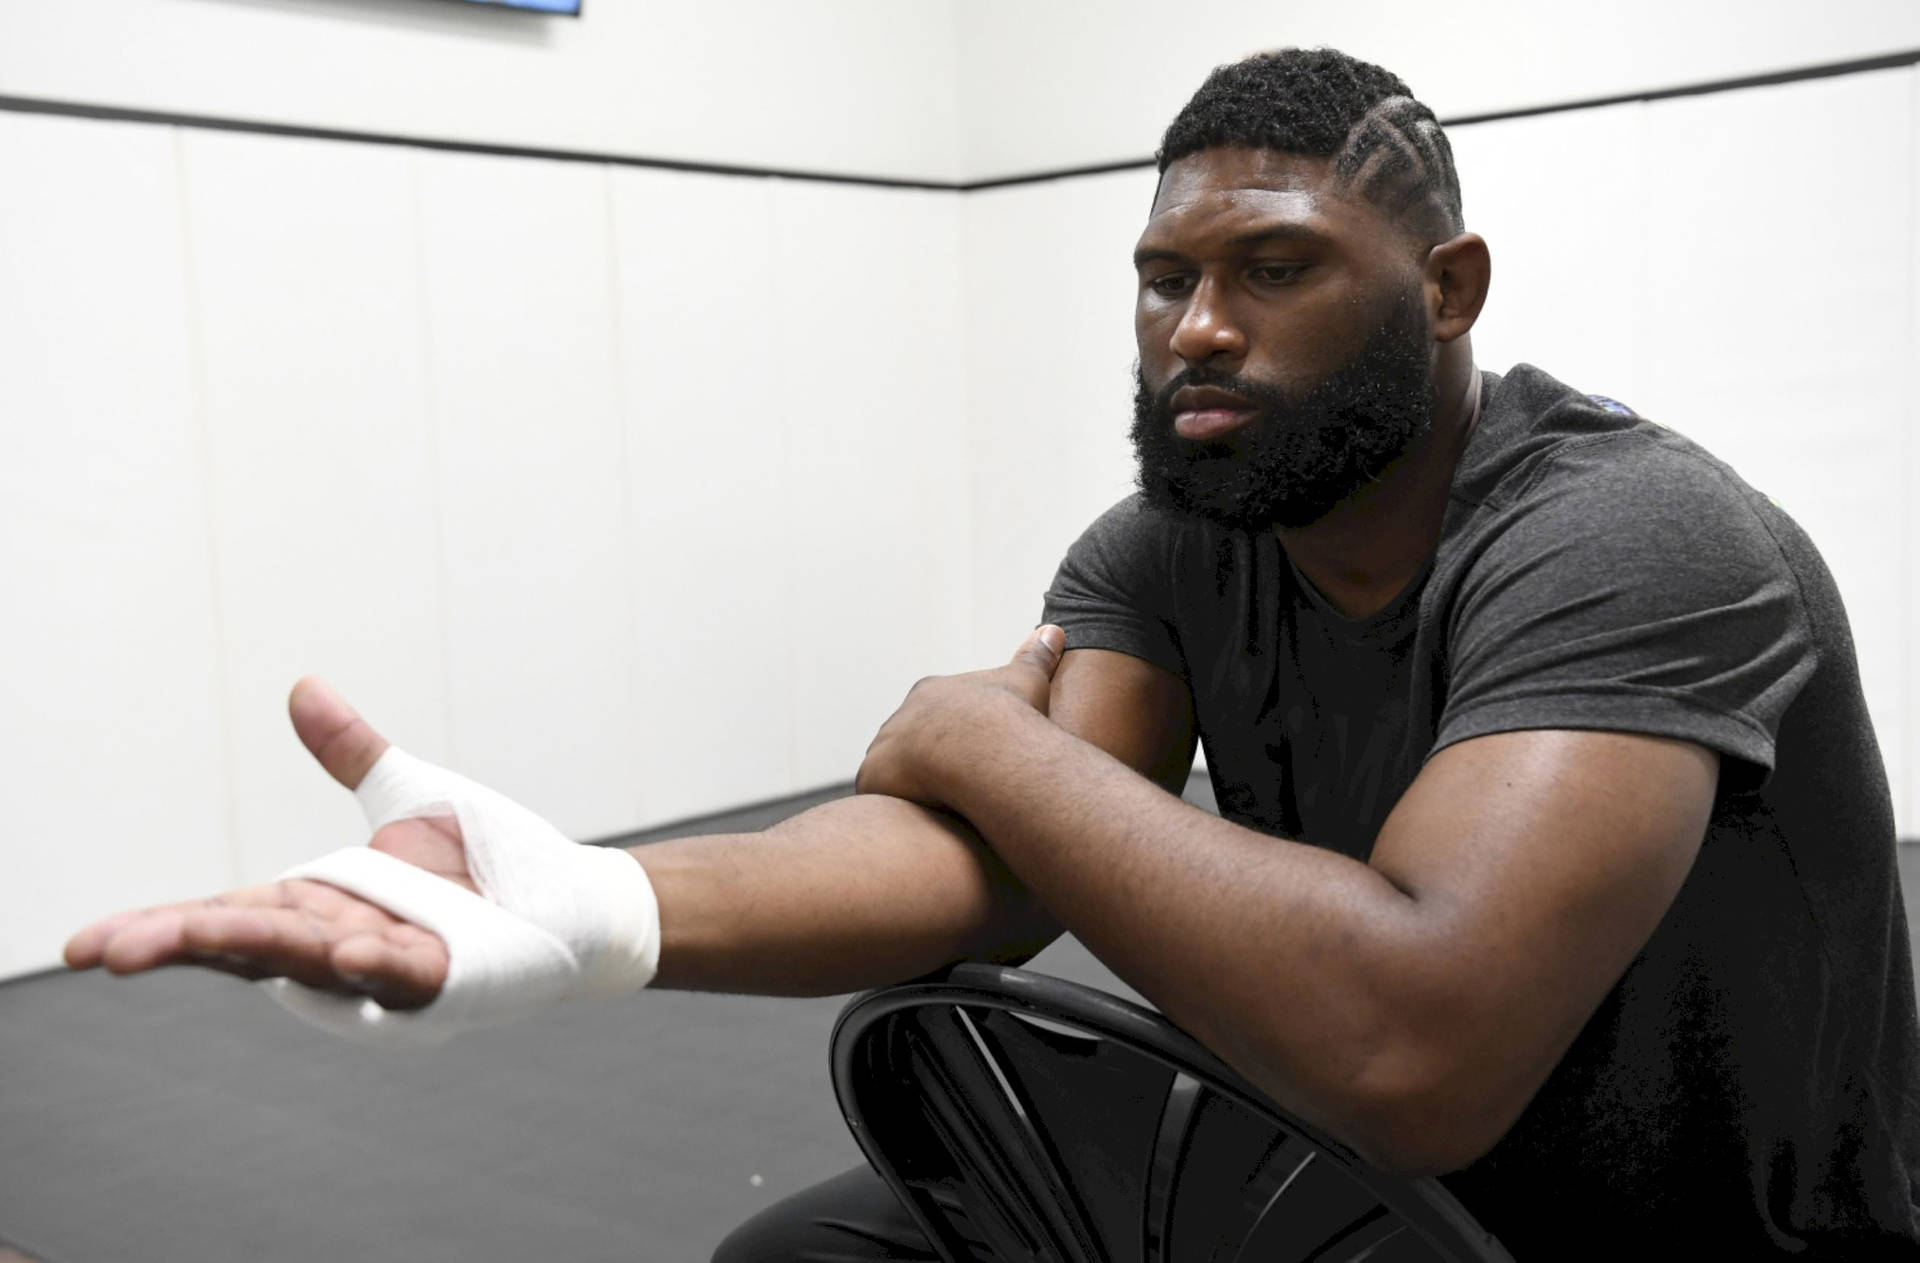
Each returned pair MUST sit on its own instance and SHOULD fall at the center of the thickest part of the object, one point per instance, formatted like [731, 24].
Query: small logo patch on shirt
[1612, 405]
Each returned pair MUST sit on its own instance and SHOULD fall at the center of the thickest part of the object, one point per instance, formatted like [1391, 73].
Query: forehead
[1232, 190]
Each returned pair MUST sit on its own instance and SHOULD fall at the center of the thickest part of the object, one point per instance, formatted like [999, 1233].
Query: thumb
[1042, 649]
[333, 731]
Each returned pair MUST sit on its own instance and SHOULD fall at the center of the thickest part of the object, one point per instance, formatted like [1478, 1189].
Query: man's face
[1285, 356]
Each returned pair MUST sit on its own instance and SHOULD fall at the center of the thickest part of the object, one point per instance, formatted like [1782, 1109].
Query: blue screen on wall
[543, 6]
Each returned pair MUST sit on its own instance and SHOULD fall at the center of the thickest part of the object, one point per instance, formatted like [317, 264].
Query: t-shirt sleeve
[1114, 590]
[1633, 586]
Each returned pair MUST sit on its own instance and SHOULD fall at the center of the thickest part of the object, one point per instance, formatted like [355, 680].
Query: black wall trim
[76, 109]
[209, 122]
[1891, 61]
[1063, 173]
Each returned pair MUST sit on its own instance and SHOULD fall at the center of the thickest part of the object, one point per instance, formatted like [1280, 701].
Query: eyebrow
[1298, 233]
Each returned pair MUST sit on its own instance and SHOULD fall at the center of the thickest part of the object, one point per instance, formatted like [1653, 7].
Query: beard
[1304, 453]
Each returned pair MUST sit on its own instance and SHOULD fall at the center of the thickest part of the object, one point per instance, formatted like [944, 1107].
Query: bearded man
[1555, 853]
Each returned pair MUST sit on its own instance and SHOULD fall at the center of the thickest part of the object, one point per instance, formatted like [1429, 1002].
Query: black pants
[852, 1218]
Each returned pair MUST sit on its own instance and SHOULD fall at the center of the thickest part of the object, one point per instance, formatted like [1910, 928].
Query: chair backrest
[1024, 1118]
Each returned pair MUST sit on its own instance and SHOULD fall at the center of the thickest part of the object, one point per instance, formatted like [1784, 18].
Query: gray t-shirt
[1757, 1067]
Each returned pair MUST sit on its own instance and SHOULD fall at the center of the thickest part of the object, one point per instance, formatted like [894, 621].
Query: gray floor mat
[182, 1117]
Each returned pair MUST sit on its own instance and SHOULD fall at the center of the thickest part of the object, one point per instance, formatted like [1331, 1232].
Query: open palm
[308, 931]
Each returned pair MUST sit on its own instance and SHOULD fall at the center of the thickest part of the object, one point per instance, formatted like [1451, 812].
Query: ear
[1456, 277]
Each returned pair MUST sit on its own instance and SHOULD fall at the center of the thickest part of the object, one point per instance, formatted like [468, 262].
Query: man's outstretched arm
[857, 892]
[1412, 1004]
[873, 889]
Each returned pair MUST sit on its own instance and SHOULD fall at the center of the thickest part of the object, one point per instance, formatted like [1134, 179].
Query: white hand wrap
[559, 921]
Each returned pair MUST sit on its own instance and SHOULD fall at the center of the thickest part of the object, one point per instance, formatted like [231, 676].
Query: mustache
[1264, 396]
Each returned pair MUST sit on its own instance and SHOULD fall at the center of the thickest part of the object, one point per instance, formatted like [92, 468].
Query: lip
[1202, 414]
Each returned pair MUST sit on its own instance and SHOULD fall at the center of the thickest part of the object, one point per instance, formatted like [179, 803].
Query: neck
[1371, 546]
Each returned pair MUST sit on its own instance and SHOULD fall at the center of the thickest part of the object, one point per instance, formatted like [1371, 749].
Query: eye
[1169, 284]
[1276, 273]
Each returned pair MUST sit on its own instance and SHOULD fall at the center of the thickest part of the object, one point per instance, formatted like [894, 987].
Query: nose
[1207, 328]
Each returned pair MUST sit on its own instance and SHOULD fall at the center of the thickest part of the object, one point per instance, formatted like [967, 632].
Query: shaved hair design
[1386, 147]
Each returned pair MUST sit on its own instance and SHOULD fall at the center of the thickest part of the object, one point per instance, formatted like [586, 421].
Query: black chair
[1024, 1117]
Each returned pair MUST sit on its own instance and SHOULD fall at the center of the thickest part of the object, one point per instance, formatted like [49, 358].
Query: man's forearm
[1253, 944]
[855, 893]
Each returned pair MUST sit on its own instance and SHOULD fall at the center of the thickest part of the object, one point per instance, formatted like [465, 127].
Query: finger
[86, 948]
[281, 942]
[1042, 649]
[144, 942]
[333, 731]
[400, 971]
[178, 936]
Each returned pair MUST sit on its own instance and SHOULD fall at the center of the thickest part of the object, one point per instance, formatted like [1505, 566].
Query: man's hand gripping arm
[1412, 1004]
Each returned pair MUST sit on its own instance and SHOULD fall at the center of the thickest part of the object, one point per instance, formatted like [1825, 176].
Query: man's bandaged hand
[465, 909]
[552, 920]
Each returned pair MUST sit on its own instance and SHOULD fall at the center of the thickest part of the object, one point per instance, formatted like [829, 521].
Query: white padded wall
[532, 453]
[1080, 82]
[322, 493]
[1050, 351]
[707, 421]
[1909, 571]
[862, 86]
[1559, 199]
[114, 786]
[866, 292]
[642, 494]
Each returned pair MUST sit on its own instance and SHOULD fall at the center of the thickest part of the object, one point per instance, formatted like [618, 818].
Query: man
[1556, 852]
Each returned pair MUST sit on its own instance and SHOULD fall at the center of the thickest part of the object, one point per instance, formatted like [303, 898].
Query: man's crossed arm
[1412, 1004]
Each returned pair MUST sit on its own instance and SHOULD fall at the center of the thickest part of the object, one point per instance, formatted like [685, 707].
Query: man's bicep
[1139, 713]
[1545, 860]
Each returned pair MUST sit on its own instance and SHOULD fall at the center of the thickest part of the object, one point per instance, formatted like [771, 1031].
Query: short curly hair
[1321, 103]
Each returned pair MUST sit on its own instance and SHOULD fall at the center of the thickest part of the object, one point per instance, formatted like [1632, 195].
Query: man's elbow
[1415, 1151]
[1421, 1121]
